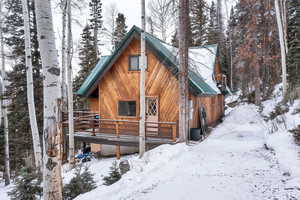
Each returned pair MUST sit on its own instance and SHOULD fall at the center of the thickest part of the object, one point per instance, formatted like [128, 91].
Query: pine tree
[96, 21]
[120, 29]
[88, 60]
[27, 185]
[212, 35]
[293, 67]
[19, 126]
[82, 182]
[114, 175]
[198, 22]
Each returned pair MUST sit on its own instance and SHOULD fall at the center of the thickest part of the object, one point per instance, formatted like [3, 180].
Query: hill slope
[232, 163]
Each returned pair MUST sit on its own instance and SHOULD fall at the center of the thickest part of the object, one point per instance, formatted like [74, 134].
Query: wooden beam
[174, 132]
[118, 149]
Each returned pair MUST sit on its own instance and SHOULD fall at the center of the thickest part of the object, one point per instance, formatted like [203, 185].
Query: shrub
[82, 182]
[27, 185]
[296, 134]
[114, 175]
[279, 110]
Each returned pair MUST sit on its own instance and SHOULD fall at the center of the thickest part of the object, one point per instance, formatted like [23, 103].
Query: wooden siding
[93, 104]
[214, 107]
[121, 84]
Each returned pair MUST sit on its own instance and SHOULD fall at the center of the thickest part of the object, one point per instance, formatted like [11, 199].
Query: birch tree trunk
[183, 70]
[63, 51]
[30, 90]
[52, 132]
[142, 129]
[4, 107]
[70, 87]
[283, 49]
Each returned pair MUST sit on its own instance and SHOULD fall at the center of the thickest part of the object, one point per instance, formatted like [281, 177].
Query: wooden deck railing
[89, 122]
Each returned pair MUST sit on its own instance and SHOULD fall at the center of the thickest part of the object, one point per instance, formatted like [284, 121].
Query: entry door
[152, 115]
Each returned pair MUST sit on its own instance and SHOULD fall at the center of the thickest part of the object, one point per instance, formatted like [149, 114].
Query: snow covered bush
[296, 134]
[27, 185]
[114, 175]
[82, 182]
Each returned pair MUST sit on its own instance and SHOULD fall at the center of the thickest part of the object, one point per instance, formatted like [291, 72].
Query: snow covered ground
[231, 164]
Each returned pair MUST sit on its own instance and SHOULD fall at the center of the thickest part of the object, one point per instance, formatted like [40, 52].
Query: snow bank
[231, 164]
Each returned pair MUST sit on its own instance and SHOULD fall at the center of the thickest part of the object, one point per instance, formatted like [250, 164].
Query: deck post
[93, 128]
[174, 127]
[118, 148]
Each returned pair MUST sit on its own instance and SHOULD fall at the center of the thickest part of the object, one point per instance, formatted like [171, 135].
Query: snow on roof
[201, 61]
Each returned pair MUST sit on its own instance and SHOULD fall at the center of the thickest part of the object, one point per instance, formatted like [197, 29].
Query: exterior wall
[93, 104]
[121, 84]
[214, 107]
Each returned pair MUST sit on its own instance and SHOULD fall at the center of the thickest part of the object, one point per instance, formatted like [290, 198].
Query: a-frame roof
[201, 64]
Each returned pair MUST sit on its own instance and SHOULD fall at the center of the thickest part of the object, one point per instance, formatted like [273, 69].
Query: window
[127, 108]
[134, 62]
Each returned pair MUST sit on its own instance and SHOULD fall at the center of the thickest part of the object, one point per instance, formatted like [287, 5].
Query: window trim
[125, 116]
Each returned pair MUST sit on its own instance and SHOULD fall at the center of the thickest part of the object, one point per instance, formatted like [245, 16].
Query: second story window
[134, 63]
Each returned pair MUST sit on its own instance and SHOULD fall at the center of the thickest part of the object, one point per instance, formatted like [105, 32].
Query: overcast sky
[130, 8]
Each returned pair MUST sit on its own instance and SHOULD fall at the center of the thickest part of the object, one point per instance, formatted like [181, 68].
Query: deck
[89, 128]
[123, 140]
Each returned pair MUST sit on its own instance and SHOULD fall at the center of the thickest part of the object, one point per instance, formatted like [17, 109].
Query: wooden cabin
[112, 92]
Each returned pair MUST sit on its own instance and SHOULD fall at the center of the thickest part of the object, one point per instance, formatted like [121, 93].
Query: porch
[88, 127]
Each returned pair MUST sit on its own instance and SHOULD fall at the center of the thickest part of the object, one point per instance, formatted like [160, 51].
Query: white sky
[130, 8]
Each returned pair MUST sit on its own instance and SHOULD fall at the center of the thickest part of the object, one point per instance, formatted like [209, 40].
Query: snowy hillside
[232, 163]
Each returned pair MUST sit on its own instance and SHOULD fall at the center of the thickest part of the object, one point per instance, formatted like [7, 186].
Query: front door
[152, 115]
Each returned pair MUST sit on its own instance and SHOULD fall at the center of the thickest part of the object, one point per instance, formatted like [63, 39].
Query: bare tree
[183, 69]
[63, 5]
[30, 90]
[52, 132]
[162, 15]
[110, 21]
[142, 83]
[4, 104]
[70, 87]
[283, 47]
[150, 25]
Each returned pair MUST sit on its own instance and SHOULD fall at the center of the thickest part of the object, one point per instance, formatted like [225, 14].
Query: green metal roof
[92, 77]
[197, 83]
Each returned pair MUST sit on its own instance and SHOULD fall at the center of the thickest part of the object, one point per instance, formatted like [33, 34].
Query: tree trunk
[183, 70]
[30, 90]
[257, 86]
[52, 132]
[70, 88]
[142, 83]
[63, 52]
[4, 109]
[283, 49]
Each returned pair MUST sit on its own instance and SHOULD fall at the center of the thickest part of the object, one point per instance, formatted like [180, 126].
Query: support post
[174, 132]
[118, 148]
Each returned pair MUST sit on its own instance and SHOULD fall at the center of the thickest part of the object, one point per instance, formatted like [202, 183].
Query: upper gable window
[135, 62]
